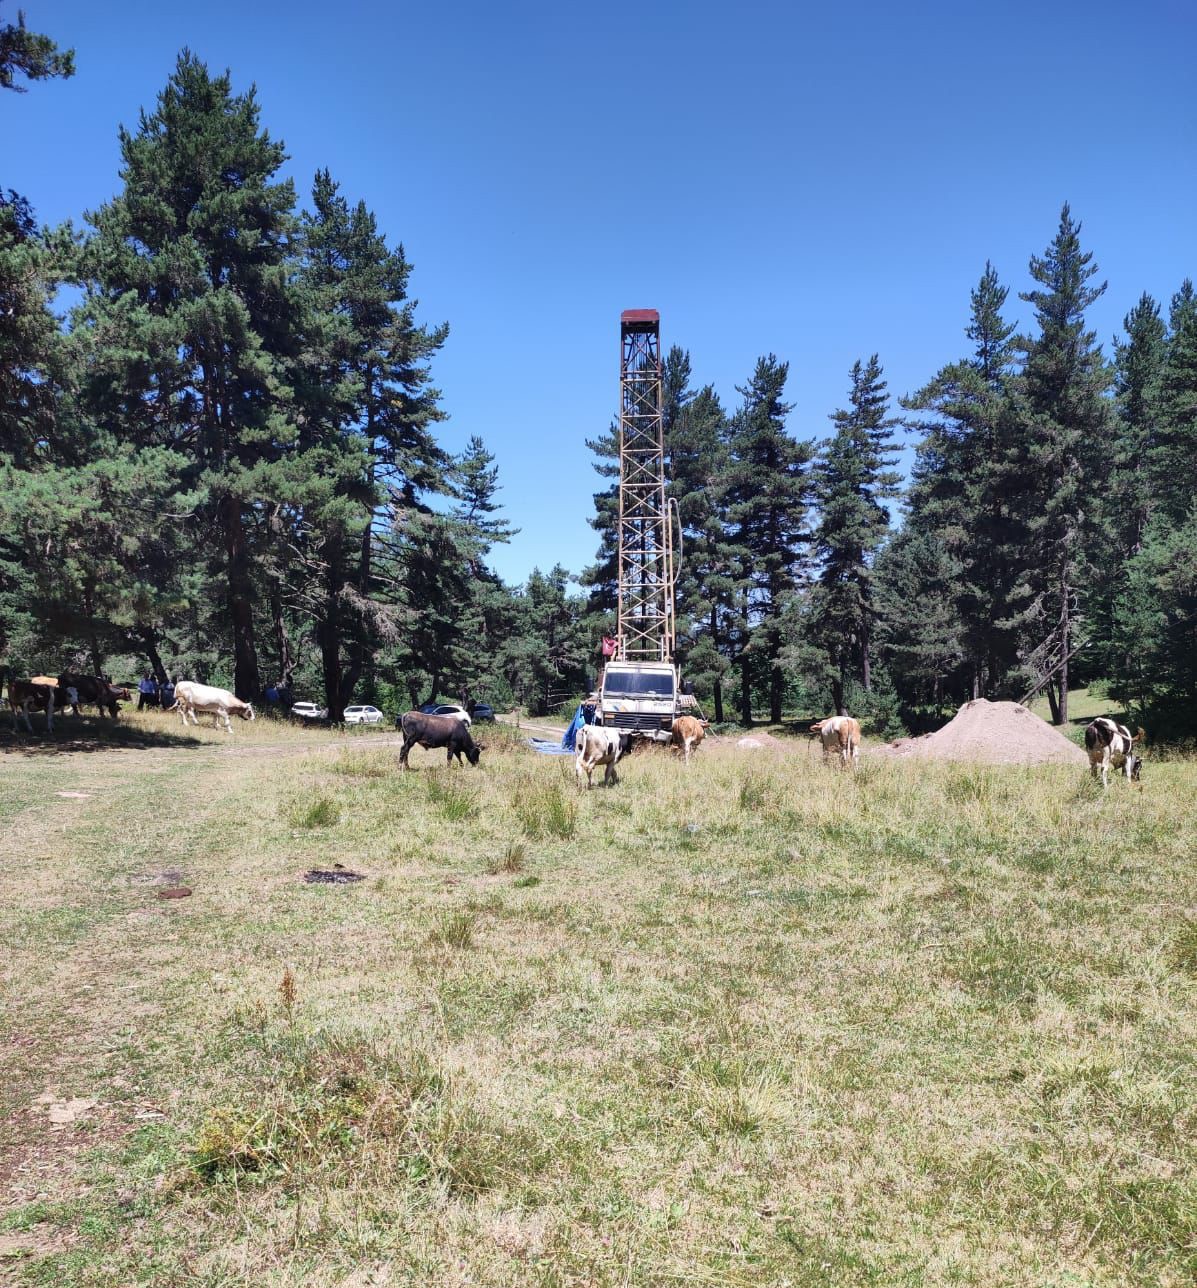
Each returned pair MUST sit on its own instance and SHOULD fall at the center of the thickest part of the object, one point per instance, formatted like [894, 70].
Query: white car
[308, 711]
[365, 715]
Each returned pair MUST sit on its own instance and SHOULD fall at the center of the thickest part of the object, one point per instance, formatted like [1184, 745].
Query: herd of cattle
[1109, 744]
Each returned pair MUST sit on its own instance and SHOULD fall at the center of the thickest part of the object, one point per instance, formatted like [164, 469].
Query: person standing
[147, 692]
[166, 694]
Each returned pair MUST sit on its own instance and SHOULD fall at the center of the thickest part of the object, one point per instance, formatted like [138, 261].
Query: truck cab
[639, 697]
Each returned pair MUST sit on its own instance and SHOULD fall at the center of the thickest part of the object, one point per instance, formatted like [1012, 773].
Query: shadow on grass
[83, 733]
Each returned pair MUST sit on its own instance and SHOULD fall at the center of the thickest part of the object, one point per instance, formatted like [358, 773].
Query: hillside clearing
[757, 1022]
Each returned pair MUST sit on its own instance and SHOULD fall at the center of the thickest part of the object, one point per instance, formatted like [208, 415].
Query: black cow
[90, 690]
[434, 732]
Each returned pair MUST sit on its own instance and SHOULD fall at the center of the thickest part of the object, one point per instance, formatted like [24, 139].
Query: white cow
[841, 735]
[599, 746]
[191, 697]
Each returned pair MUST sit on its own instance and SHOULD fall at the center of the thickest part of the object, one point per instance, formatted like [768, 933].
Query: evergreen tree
[966, 486]
[1174, 452]
[28, 54]
[853, 479]
[366, 411]
[1069, 440]
[190, 324]
[706, 555]
[766, 487]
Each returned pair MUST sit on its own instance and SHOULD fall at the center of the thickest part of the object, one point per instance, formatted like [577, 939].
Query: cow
[191, 697]
[596, 746]
[841, 735]
[88, 689]
[25, 696]
[1112, 744]
[434, 732]
[688, 732]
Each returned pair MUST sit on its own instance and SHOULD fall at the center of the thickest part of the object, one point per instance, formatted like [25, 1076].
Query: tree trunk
[718, 697]
[837, 695]
[745, 691]
[1053, 702]
[282, 639]
[1065, 645]
[93, 639]
[149, 638]
[240, 601]
[866, 673]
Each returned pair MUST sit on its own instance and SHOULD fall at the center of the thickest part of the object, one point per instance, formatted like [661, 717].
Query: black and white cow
[1112, 744]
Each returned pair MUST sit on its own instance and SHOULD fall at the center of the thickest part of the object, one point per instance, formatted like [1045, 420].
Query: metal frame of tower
[645, 629]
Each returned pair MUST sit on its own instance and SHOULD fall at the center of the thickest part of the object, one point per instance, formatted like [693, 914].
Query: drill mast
[645, 630]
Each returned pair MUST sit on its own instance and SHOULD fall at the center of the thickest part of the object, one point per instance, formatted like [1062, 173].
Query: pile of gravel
[999, 733]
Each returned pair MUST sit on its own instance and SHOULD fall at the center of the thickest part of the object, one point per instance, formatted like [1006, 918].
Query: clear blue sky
[818, 182]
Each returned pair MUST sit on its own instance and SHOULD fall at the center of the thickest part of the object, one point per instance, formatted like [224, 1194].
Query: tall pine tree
[853, 480]
[1069, 439]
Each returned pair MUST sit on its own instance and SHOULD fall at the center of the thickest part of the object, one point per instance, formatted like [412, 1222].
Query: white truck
[640, 698]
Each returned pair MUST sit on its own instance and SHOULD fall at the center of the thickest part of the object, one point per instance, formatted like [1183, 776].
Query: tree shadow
[74, 734]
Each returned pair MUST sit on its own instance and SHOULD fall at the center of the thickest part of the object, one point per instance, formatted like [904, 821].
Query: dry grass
[754, 1022]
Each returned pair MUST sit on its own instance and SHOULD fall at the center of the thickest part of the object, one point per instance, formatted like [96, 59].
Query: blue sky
[821, 183]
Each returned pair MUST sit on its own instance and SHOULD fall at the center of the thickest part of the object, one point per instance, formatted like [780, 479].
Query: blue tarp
[566, 746]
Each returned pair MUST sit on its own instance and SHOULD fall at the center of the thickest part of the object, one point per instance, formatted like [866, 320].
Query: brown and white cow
[688, 732]
[25, 696]
[1113, 744]
[596, 746]
[191, 697]
[841, 735]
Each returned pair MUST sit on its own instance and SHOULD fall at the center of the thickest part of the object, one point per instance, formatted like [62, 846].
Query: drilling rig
[640, 689]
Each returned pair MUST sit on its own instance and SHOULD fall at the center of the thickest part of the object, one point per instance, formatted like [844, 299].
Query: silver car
[364, 715]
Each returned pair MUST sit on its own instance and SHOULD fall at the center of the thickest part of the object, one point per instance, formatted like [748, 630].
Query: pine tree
[190, 320]
[365, 415]
[706, 555]
[965, 486]
[1069, 440]
[853, 479]
[1174, 451]
[765, 491]
[28, 54]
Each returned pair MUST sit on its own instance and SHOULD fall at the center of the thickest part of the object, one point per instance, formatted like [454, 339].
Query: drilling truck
[640, 690]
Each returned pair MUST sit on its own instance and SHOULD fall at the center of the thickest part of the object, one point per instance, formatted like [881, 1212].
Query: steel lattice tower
[645, 630]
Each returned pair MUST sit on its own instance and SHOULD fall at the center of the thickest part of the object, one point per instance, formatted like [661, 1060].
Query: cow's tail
[1091, 738]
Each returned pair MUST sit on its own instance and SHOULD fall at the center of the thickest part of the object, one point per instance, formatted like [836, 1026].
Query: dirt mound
[762, 739]
[1000, 733]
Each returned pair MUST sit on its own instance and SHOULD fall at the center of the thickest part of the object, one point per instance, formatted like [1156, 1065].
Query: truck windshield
[638, 684]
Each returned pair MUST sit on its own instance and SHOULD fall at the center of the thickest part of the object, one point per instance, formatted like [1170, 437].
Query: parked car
[306, 711]
[364, 715]
[441, 709]
[484, 711]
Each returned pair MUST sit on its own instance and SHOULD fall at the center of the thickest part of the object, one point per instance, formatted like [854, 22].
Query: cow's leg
[25, 712]
[610, 777]
[578, 768]
[224, 716]
[408, 744]
[50, 713]
[449, 756]
[1105, 769]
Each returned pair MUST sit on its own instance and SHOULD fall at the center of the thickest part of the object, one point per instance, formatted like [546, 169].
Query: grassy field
[751, 1023]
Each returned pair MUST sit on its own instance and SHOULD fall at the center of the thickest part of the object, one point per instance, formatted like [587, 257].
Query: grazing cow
[688, 732]
[434, 732]
[1112, 744]
[78, 690]
[191, 697]
[840, 734]
[596, 746]
[26, 696]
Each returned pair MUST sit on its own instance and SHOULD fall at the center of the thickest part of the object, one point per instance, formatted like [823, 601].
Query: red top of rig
[639, 317]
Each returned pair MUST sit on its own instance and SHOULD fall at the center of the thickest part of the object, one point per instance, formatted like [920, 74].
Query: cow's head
[1135, 765]
[247, 711]
[626, 743]
[474, 752]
